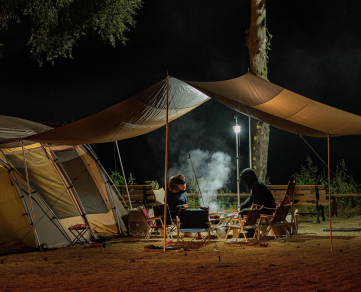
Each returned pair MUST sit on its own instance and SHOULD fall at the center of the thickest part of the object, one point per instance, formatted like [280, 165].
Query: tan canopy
[247, 94]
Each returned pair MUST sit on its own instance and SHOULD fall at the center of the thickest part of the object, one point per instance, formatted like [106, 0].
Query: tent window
[83, 182]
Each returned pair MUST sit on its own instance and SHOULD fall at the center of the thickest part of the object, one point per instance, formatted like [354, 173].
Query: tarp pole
[37, 243]
[329, 188]
[125, 179]
[249, 142]
[166, 167]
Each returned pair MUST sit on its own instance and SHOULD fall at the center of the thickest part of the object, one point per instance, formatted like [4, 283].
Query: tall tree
[57, 24]
[257, 43]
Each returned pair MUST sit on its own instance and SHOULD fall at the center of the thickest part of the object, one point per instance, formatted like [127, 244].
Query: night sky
[316, 52]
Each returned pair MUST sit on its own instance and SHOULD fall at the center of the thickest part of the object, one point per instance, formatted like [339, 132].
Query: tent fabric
[280, 107]
[14, 221]
[247, 94]
[83, 182]
[44, 177]
[16, 232]
[138, 115]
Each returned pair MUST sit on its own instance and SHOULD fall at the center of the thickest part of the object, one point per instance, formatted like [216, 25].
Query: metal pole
[329, 189]
[238, 195]
[249, 142]
[37, 242]
[237, 129]
[166, 167]
[70, 187]
[125, 180]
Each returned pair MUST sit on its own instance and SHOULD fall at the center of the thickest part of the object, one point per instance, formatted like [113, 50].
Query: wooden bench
[304, 195]
[140, 195]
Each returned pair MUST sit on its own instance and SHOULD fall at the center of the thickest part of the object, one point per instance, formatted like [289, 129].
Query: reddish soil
[300, 263]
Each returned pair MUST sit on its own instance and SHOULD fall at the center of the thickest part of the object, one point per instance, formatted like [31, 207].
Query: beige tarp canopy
[247, 94]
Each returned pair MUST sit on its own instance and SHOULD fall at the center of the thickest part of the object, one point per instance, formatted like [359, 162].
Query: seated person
[261, 194]
[176, 194]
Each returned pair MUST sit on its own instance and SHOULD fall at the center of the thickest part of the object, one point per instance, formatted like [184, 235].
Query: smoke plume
[211, 169]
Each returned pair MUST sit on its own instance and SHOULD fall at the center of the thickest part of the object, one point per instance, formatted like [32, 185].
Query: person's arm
[247, 203]
[182, 201]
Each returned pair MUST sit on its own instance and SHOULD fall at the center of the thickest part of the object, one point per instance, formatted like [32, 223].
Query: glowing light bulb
[237, 129]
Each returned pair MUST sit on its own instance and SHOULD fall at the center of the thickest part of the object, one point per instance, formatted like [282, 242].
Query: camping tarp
[247, 94]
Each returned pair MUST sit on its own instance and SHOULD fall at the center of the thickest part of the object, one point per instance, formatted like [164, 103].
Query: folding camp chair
[152, 224]
[216, 224]
[278, 218]
[249, 221]
[78, 231]
[193, 220]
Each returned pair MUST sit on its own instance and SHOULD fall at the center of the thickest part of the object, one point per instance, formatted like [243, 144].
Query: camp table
[78, 231]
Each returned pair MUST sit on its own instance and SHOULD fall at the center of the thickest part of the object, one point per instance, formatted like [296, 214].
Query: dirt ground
[300, 263]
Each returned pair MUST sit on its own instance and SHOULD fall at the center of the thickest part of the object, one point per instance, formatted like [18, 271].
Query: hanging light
[237, 128]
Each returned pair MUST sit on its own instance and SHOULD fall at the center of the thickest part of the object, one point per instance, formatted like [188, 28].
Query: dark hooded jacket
[261, 194]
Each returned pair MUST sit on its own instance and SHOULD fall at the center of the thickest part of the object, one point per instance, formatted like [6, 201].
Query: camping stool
[78, 231]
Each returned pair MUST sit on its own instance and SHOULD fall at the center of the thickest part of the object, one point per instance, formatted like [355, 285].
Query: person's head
[177, 183]
[249, 177]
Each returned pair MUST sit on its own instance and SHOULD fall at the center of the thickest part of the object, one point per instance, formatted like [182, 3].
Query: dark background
[315, 52]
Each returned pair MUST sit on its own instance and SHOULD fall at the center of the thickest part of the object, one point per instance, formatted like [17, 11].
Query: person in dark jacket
[177, 194]
[261, 194]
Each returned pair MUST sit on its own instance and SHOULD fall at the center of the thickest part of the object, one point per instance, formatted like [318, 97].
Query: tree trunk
[256, 41]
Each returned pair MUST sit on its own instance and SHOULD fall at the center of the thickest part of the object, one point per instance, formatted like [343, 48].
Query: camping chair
[152, 224]
[249, 221]
[216, 224]
[193, 220]
[287, 199]
[278, 218]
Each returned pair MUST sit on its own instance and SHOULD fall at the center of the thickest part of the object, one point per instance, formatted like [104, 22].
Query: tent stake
[166, 167]
[125, 179]
[37, 243]
[329, 188]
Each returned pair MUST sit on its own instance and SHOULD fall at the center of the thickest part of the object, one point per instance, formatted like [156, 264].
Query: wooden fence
[246, 195]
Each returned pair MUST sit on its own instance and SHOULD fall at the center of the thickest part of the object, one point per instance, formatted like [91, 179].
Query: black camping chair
[193, 220]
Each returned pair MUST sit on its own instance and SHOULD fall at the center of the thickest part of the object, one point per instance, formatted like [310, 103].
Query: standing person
[261, 194]
[177, 194]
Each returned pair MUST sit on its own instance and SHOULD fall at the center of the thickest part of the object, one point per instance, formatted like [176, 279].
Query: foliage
[268, 180]
[58, 24]
[341, 183]
[193, 202]
[193, 187]
[227, 203]
[118, 179]
[154, 183]
[309, 174]
[224, 190]
[268, 48]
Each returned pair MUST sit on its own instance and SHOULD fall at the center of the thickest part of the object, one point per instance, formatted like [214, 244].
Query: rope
[316, 153]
